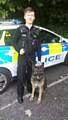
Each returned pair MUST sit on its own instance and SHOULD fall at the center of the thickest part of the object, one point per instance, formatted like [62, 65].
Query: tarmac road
[53, 107]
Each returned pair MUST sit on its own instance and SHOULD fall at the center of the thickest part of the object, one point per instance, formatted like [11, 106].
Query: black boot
[20, 100]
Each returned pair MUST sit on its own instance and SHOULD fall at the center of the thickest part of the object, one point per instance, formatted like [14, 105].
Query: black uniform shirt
[29, 40]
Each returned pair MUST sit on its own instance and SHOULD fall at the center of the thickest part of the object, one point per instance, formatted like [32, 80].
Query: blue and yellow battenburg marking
[65, 46]
[53, 48]
[8, 54]
[49, 49]
[52, 52]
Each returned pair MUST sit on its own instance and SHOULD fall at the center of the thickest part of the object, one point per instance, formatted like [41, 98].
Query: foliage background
[52, 14]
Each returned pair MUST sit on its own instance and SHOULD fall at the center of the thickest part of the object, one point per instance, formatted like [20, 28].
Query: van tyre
[66, 59]
[5, 78]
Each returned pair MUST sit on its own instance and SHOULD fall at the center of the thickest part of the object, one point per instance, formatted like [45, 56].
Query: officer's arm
[39, 50]
[17, 38]
[38, 44]
[18, 46]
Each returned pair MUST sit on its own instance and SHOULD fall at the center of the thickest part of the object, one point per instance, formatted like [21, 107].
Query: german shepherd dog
[38, 81]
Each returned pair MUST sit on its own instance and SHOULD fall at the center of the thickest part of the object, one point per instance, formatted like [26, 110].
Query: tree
[48, 10]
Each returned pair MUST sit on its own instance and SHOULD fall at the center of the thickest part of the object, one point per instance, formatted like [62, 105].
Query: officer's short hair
[30, 9]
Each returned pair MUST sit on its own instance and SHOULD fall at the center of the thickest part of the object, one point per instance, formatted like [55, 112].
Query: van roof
[6, 27]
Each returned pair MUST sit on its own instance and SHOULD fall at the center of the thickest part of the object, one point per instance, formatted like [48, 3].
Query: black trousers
[24, 72]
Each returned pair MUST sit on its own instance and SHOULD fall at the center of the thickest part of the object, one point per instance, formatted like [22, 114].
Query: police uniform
[28, 39]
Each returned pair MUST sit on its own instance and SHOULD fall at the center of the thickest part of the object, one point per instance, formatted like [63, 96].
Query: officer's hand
[39, 63]
[22, 51]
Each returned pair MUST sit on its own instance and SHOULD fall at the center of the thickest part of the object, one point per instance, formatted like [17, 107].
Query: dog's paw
[38, 101]
[31, 98]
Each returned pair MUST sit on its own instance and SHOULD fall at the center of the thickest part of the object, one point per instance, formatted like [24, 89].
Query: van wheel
[66, 60]
[5, 78]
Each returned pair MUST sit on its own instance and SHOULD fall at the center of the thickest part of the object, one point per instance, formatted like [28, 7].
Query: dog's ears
[33, 65]
[32, 62]
[42, 66]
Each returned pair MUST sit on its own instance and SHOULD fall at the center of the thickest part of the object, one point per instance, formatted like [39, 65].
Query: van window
[9, 37]
[47, 37]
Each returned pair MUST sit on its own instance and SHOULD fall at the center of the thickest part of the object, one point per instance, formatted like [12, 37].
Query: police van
[54, 50]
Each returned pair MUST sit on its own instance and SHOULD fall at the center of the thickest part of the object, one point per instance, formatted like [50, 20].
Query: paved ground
[53, 107]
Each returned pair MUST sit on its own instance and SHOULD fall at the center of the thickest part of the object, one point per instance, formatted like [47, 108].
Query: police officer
[27, 43]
